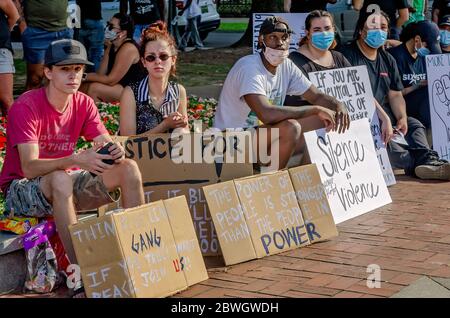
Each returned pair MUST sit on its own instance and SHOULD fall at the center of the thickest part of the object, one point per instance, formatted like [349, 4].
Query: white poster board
[296, 22]
[351, 86]
[349, 170]
[438, 74]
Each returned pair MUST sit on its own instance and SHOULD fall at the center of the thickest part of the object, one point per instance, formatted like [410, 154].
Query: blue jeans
[36, 41]
[92, 36]
[191, 31]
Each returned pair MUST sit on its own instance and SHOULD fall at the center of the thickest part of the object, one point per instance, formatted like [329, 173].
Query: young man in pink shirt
[43, 128]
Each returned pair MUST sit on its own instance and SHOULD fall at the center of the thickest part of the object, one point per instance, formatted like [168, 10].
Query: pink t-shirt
[32, 119]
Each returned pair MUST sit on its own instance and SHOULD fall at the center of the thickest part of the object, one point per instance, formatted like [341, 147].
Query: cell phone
[104, 151]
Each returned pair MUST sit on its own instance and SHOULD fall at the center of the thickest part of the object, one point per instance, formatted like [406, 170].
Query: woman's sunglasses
[163, 57]
[110, 26]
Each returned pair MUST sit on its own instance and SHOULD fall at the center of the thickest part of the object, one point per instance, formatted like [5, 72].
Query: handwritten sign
[351, 86]
[349, 170]
[438, 74]
[296, 22]
[259, 216]
[140, 252]
[172, 166]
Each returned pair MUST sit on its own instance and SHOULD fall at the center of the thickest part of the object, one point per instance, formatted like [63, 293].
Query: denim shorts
[25, 198]
[36, 41]
[6, 62]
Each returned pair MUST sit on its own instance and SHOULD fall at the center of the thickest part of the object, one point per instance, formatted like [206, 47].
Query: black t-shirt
[308, 5]
[390, 7]
[383, 72]
[307, 66]
[90, 9]
[443, 6]
[144, 11]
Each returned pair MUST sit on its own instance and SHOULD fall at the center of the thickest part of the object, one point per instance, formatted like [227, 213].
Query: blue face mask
[445, 37]
[423, 51]
[375, 38]
[322, 40]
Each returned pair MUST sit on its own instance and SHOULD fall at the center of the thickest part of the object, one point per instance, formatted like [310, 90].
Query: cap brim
[73, 61]
[435, 48]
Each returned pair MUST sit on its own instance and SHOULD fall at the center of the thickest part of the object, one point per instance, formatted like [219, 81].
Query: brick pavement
[408, 239]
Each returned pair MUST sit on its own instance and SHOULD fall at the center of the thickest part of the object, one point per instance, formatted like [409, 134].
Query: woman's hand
[175, 120]
[386, 130]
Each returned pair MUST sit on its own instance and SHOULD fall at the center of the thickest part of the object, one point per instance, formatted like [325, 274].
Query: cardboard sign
[351, 86]
[181, 165]
[349, 170]
[260, 215]
[313, 201]
[140, 252]
[296, 22]
[438, 74]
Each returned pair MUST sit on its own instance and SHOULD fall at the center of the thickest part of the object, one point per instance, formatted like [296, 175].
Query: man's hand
[117, 152]
[91, 161]
[328, 117]
[342, 117]
[402, 125]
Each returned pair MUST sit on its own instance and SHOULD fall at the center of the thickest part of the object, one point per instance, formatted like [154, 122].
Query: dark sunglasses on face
[163, 57]
[110, 26]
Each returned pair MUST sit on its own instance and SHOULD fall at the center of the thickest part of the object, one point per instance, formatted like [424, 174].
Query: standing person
[193, 14]
[417, 159]
[444, 31]
[120, 64]
[315, 54]
[143, 12]
[154, 104]
[397, 11]
[43, 128]
[440, 9]
[255, 88]
[305, 6]
[92, 33]
[8, 18]
[417, 10]
[418, 40]
[44, 22]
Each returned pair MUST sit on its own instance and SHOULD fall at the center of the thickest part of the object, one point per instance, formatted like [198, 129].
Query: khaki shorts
[25, 198]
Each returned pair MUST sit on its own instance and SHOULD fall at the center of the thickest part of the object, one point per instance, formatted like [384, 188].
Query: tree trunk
[258, 6]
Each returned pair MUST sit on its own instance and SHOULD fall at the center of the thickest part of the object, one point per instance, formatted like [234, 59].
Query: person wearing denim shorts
[8, 18]
[45, 21]
[43, 128]
[92, 33]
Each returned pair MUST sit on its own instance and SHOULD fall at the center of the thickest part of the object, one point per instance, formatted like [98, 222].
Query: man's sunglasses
[163, 57]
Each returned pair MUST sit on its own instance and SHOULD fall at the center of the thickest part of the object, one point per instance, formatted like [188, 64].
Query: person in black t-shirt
[143, 12]
[91, 33]
[315, 54]
[397, 10]
[417, 158]
[444, 32]
[306, 6]
[419, 39]
[440, 9]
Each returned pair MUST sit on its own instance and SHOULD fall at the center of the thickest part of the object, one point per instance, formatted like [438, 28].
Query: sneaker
[438, 172]
[201, 48]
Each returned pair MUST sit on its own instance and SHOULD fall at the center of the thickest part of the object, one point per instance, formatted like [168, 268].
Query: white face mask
[275, 57]
[110, 34]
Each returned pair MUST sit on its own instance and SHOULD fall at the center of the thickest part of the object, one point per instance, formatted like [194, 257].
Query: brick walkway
[408, 239]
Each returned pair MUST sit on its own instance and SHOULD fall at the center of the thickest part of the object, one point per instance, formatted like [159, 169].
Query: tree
[257, 6]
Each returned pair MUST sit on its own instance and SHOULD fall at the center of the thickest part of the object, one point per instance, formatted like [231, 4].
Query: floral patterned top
[147, 116]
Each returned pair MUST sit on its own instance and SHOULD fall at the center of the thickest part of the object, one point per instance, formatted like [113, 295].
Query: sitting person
[120, 64]
[417, 159]
[257, 84]
[418, 40]
[43, 128]
[444, 31]
[315, 54]
[154, 104]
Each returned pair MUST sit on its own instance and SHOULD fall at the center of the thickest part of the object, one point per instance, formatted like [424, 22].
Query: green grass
[233, 27]
[19, 77]
[193, 74]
